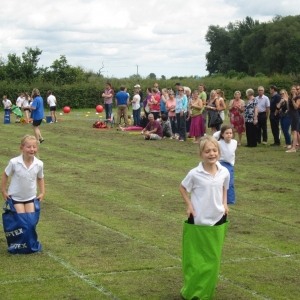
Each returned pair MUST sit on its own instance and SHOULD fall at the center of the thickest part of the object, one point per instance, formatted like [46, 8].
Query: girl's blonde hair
[35, 92]
[206, 139]
[221, 93]
[213, 92]
[283, 91]
[26, 138]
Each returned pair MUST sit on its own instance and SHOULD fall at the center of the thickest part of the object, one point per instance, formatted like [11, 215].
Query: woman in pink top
[155, 103]
[170, 107]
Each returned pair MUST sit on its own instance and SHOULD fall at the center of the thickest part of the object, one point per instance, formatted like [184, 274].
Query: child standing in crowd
[228, 147]
[25, 106]
[19, 103]
[6, 102]
[208, 184]
[136, 107]
[51, 100]
[166, 126]
[26, 172]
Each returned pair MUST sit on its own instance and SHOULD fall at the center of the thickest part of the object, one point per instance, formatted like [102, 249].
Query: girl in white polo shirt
[228, 147]
[51, 100]
[208, 184]
[202, 245]
[26, 172]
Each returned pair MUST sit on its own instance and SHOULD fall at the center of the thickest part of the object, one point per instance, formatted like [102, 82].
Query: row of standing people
[34, 105]
[187, 111]
[24, 102]
[282, 109]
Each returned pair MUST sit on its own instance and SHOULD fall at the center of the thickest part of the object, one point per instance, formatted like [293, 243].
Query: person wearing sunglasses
[181, 110]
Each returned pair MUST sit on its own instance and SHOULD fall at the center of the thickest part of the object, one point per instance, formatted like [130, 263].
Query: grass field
[111, 221]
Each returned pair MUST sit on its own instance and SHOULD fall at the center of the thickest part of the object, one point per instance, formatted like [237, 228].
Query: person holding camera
[293, 105]
[285, 120]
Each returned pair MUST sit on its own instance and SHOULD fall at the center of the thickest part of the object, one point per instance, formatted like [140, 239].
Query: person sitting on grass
[153, 130]
[143, 123]
[166, 126]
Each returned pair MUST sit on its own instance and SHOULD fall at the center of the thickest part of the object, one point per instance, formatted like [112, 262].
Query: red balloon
[99, 108]
[66, 109]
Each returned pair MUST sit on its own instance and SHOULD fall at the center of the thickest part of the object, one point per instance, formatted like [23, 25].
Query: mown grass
[111, 221]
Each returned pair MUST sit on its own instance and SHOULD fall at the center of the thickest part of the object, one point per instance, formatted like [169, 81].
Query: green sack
[17, 111]
[201, 255]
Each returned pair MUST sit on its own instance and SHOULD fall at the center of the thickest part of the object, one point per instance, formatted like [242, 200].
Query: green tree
[61, 72]
[135, 77]
[273, 47]
[151, 76]
[30, 60]
[217, 57]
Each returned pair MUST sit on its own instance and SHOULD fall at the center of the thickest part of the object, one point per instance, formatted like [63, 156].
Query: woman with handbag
[250, 115]
[213, 107]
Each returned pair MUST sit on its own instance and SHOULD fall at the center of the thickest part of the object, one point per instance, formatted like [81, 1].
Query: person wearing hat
[138, 87]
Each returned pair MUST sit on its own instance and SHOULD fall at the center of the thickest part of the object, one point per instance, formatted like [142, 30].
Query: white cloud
[163, 37]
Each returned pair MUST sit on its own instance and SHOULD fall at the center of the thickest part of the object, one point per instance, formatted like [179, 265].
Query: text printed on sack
[14, 232]
[18, 246]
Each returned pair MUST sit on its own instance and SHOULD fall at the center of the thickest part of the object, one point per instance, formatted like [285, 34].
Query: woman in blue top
[181, 110]
[37, 113]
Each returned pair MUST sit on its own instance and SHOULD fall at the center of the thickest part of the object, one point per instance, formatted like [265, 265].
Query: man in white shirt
[263, 113]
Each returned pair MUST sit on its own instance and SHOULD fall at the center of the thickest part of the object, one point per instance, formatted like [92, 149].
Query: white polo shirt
[51, 100]
[23, 180]
[227, 151]
[207, 193]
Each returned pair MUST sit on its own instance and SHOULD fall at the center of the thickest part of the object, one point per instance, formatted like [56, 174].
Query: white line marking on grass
[135, 271]
[90, 274]
[139, 207]
[253, 292]
[35, 279]
[254, 245]
[261, 217]
[81, 276]
[258, 258]
[119, 232]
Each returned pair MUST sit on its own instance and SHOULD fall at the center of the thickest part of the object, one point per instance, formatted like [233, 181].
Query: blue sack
[20, 229]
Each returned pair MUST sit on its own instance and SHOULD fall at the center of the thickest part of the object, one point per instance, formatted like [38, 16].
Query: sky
[125, 37]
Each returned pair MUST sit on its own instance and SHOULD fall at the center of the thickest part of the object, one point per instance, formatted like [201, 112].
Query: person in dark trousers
[263, 105]
[274, 114]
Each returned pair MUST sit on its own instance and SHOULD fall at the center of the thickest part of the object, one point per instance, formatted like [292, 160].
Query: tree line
[251, 47]
[24, 69]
